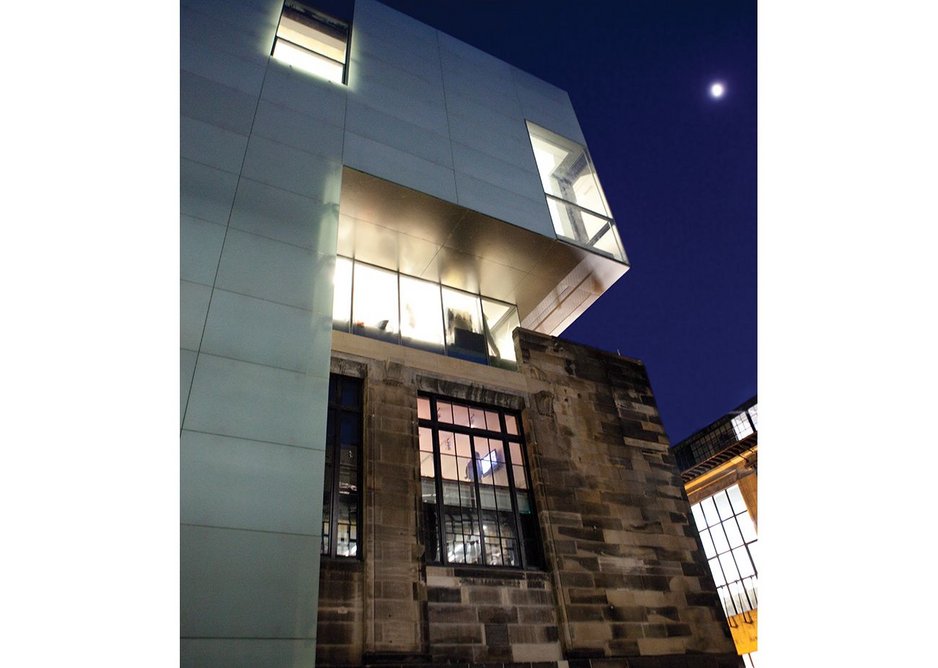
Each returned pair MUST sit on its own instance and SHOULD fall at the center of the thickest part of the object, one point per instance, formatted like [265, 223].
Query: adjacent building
[387, 456]
[719, 467]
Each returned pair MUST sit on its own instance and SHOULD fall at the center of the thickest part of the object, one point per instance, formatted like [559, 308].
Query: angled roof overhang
[551, 281]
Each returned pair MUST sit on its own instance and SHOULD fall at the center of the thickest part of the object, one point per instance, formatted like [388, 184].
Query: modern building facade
[387, 456]
[719, 466]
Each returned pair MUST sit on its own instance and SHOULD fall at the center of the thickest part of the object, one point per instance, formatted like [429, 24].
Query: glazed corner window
[312, 41]
[475, 486]
[730, 543]
[340, 494]
[578, 207]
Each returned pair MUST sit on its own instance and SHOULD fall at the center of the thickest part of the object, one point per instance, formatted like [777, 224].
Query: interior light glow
[308, 61]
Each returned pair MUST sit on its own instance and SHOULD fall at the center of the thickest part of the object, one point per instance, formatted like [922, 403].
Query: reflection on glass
[374, 307]
[342, 294]
[312, 41]
[421, 317]
[500, 320]
[462, 313]
[566, 170]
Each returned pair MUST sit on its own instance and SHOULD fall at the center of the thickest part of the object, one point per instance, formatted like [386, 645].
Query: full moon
[717, 89]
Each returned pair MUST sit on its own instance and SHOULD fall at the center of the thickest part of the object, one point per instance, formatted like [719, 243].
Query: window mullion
[438, 483]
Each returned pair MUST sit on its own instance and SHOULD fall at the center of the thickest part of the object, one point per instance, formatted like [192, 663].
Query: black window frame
[530, 546]
[337, 409]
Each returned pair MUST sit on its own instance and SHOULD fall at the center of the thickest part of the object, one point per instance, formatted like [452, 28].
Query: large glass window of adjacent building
[729, 541]
[477, 504]
[312, 41]
[577, 205]
[382, 304]
[340, 495]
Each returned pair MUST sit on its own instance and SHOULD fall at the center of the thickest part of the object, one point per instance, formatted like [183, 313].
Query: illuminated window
[421, 314]
[312, 41]
[477, 506]
[730, 541]
[499, 321]
[340, 495]
[374, 302]
[462, 313]
[575, 199]
[383, 304]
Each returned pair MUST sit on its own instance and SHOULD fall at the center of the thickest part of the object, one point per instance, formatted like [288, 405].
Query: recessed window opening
[475, 486]
[342, 482]
[383, 304]
[312, 41]
[577, 205]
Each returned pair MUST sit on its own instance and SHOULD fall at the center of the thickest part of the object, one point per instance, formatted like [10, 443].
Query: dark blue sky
[678, 168]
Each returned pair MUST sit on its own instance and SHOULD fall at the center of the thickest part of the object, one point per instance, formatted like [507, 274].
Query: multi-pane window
[340, 495]
[382, 304]
[312, 41]
[578, 207]
[729, 541]
[477, 504]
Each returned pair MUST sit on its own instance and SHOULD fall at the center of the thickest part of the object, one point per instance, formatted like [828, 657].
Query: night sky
[678, 169]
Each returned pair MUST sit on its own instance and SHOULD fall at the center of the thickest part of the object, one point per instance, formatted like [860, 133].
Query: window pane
[746, 527]
[514, 450]
[698, 516]
[741, 426]
[342, 294]
[476, 418]
[319, 36]
[710, 512]
[719, 539]
[463, 447]
[736, 498]
[709, 550]
[717, 572]
[524, 503]
[743, 563]
[421, 314]
[444, 412]
[723, 505]
[461, 415]
[308, 61]
[426, 439]
[729, 567]
[463, 316]
[428, 491]
[566, 171]
[500, 321]
[448, 468]
[423, 408]
[374, 305]
[585, 228]
[511, 425]
[732, 533]
[521, 480]
[427, 468]
[492, 422]
[461, 535]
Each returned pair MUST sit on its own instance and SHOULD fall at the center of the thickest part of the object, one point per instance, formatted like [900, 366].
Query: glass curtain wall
[382, 304]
